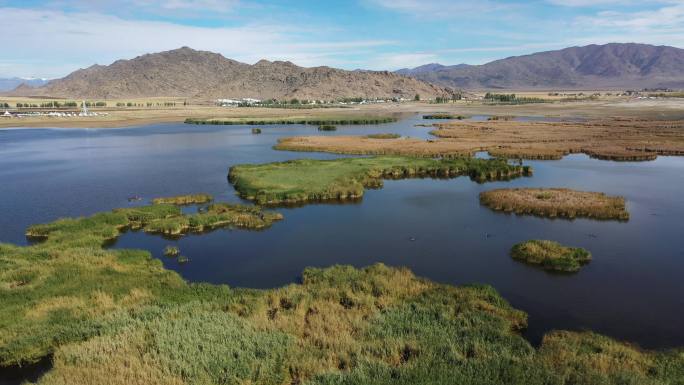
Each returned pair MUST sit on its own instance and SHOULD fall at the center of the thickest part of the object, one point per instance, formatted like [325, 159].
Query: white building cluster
[237, 102]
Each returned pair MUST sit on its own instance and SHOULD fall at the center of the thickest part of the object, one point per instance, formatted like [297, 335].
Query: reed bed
[556, 203]
[343, 179]
[383, 136]
[189, 199]
[551, 255]
[327, 127]
[171, 251]
[444, 116]
[101, 228]
[617, 140]
[312, 120]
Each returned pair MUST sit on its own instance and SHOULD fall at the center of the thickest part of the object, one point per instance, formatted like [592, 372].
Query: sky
[51, 38]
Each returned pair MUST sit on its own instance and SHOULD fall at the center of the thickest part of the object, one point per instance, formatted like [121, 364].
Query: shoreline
[646, 109]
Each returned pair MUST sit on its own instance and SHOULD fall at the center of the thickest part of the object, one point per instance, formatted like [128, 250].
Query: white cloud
[441, 8]
[595, 3]
[56, 40]
[655, 20]
[206, 5]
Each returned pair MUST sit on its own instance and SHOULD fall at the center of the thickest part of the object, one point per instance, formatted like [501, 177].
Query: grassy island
[171, 251]
[551, 255]
[318, 180]
[556, 202]
[312, 120]
[162, 219]
[327, 127]
[256, 130]
[190, 199]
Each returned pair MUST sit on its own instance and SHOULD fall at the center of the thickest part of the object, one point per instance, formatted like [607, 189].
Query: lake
[631, 290]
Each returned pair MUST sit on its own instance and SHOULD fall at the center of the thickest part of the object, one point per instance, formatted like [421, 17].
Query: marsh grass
[117, 317]
[171, 251]
[444, 116]
[344, 179]
[312, 120]
[556, 202]
[327, 127]
[551, 255]
[188, 199]
[383, 136]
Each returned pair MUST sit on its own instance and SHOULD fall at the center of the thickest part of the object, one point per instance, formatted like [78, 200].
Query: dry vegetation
[617, 139]
[556, 202]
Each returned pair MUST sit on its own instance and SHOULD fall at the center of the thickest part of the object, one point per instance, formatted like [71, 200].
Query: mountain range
[186, 72]
[7, 84]
[615, 65]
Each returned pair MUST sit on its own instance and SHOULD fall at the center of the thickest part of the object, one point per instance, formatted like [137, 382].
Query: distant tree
[294, 101]
[417, 97]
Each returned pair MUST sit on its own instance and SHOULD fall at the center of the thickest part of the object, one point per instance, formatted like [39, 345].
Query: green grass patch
[383, 136]
[551, 255]
[342, 179]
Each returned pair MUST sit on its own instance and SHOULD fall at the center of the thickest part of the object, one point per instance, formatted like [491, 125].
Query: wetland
[435, 227]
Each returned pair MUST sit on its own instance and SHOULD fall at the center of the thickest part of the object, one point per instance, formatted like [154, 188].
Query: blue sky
[52, 38]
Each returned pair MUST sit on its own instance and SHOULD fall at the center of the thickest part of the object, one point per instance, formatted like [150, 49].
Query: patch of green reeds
[188, 199]
[383, 136]
[551, 255]
[316, 121]
[318, 180]
[444, 116]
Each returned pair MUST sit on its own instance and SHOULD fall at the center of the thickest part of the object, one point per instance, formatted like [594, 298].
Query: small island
[189, 199]
[171, 251]
[556, 202]
[305, 180]
[551, 255]
[327, 127]
[256, 131]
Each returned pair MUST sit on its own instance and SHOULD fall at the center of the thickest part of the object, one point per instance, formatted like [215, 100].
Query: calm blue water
[631, 290]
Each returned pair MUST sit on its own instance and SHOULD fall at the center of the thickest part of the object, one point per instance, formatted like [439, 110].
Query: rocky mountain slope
[190, 73]
[594, 66]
